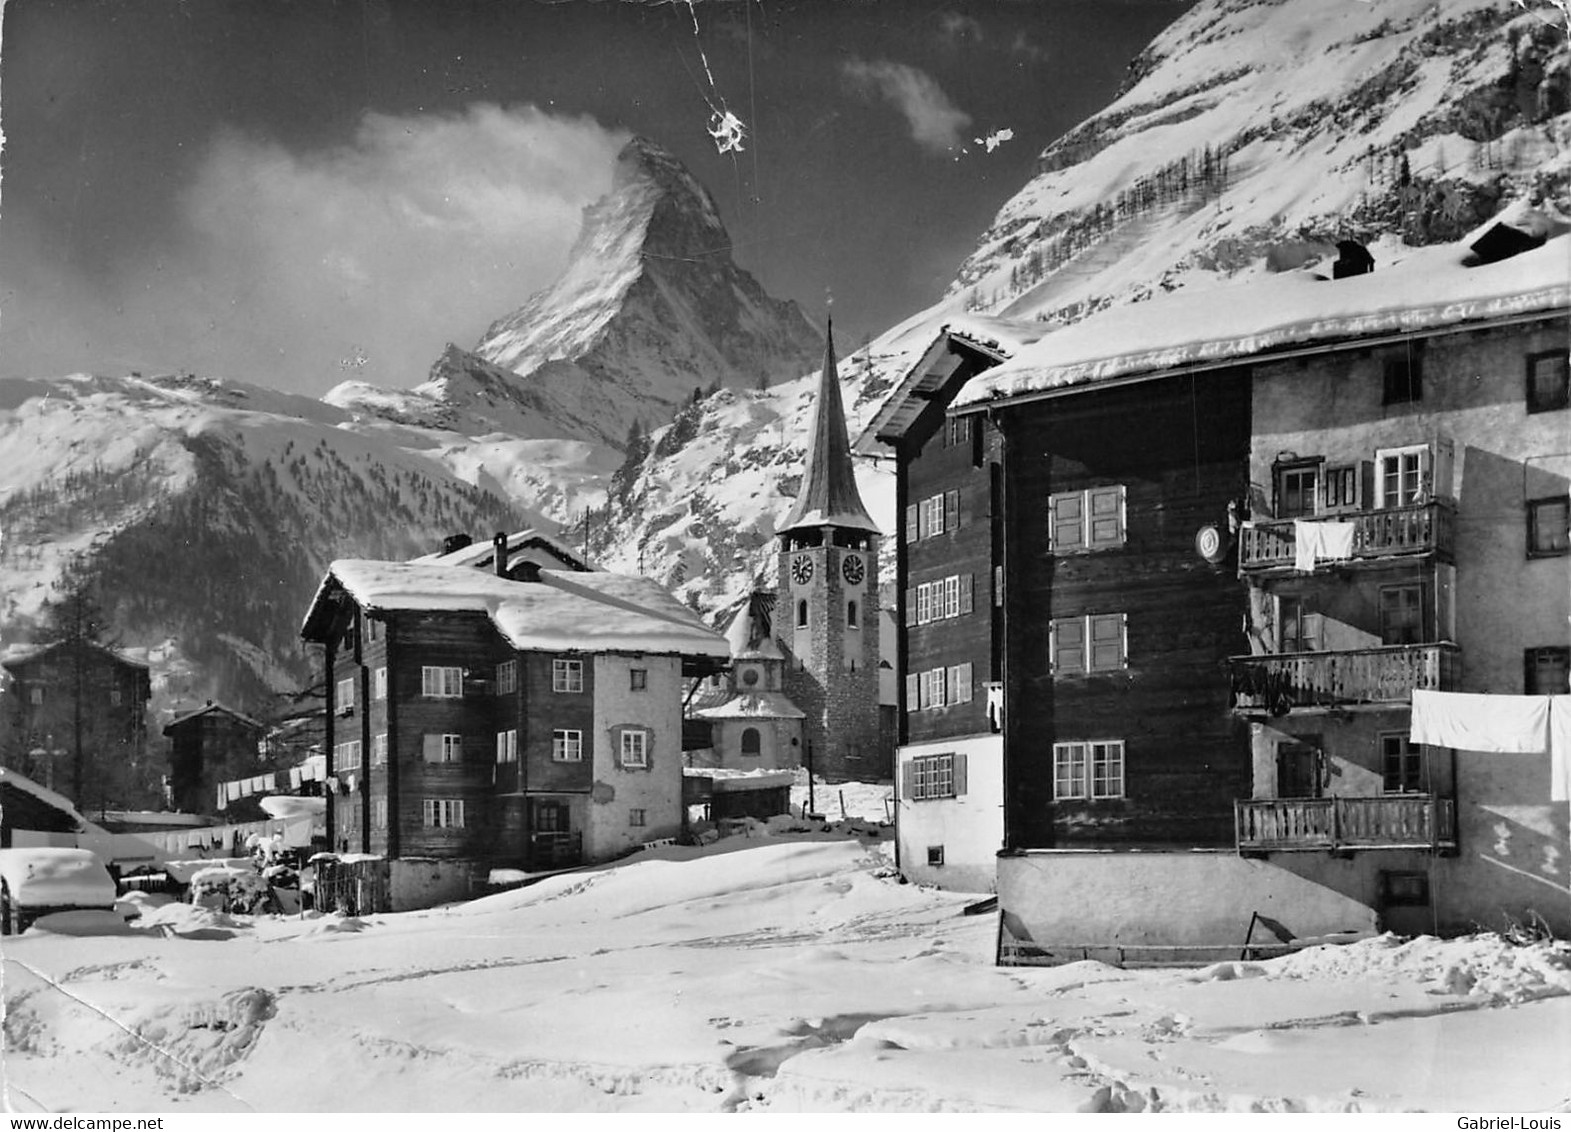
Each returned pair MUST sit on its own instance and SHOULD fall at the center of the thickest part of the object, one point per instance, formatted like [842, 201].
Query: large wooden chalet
[1202, 697]
[488, 710]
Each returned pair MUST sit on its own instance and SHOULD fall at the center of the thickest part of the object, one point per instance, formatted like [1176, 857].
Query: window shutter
[911, 524]
[1067, 523]
[1107, 641]
[911, 606]
[913, 692]
[1067, 644]
[1106, 506]
[951, 510]
[967, 596]
[998, 586]
[908, 781]
[431, 748]
[960, 774]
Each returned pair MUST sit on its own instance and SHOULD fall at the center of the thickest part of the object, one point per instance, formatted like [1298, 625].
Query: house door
[1298, 770]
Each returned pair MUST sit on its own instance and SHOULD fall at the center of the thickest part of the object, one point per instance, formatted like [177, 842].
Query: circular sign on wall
[1210, 543]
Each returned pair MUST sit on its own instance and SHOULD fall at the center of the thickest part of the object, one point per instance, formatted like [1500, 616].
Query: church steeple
[828, 496]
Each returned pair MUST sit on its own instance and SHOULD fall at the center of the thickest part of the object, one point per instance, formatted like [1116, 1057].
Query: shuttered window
[1093, 519]
[1095, 643]
[930, 777]
[507, 746]
[437, 748]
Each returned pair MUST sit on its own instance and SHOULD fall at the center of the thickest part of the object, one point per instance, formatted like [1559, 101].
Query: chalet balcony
[1395, 821]
[1424, 528]
[555, 851]
[1318, 681]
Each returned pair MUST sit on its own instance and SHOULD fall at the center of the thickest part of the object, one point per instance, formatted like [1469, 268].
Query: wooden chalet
[209, 745]
[518, 716]
[1196, 724]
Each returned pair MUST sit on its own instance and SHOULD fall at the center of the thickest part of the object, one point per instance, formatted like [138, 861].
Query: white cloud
[936, 123]
[421, 229]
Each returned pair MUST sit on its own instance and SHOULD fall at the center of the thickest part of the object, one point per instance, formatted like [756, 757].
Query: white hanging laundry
[1306, 545]
[1560, 748]
[1470, 721]
[1314, 539]
[1336, 540]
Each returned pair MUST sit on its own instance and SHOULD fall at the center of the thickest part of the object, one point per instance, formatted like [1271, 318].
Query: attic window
[1403, 375]
[1548, 381]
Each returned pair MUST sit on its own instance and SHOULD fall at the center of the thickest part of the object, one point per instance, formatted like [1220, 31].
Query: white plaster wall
[1197, 898]
[656, 790]
[970, 827]
[1473, 394]
[776, 751]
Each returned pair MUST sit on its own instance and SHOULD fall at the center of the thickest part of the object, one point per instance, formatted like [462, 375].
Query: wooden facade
[1176, 451]
[206, 747]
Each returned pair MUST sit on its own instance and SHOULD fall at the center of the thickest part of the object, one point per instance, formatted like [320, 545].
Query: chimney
[1352, 259]
[499, 553]
[456, 542]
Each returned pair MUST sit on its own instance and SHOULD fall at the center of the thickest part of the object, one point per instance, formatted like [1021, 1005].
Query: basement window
[935, 856]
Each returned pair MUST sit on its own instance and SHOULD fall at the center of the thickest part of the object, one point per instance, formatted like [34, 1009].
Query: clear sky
[295, 192]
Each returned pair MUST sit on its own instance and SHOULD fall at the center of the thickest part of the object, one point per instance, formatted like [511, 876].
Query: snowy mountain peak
[651, 306]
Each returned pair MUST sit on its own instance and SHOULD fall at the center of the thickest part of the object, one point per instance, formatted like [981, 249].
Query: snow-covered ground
[764, 973]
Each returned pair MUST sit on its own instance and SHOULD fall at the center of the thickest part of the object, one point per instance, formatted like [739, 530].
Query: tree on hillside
[89, 711]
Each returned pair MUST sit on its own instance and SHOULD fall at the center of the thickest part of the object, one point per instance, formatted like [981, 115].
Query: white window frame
[933, 777]
[442, 681]
[933, 688]
[951, 604]
[379, 683]
[379, 749]
[507, 677]
[1086, 539]
[447, 748]
[442, 813]
[507, 745]
[567, 675]
[567, 745]
[379, 813]
[930, 516]
[344, 695]
[1424, 471]
[1088, 770]
[635, 747]
[960, 683]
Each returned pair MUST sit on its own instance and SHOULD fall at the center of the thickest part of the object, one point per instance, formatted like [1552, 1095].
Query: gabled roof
[24, 656]
[754, 705]
[527, 545]
[988, 341]
[214, 709]
[828, 496]
[1433, 290]
[565, 611]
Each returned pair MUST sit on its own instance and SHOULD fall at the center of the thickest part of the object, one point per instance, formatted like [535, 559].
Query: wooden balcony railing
[1278, 683]
[555, 850]
[1419, 529]
[1396, 821]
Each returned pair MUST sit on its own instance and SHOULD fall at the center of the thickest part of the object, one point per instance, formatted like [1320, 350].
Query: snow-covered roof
[565, 611]
[754, 705]
[1431, 290]
[18, 655]
[213, 706]
[524, 545]
[53, 878]
[48, 797]
[992, 339]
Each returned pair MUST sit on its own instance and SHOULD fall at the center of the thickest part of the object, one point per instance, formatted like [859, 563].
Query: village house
[1198, 723]
[209, 745]
[514, 717]
[76, 720]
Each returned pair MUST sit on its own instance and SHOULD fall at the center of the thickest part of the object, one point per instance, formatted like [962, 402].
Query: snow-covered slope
[209, 510]
[1253, 134]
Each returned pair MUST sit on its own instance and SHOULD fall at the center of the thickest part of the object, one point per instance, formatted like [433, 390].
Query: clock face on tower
[853, 569]
[801, 569]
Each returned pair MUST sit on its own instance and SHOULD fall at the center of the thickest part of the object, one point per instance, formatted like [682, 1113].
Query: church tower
[827, 618]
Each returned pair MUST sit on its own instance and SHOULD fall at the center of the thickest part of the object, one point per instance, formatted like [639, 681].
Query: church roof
[754, 705]
[829, 496]
[751, 632]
